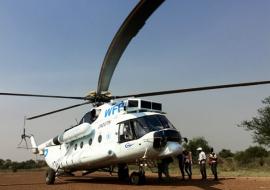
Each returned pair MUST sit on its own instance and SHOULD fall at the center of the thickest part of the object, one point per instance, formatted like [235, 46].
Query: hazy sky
[57, 47]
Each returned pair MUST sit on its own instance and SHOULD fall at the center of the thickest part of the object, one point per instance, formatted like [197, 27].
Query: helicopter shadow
[21, 184]
[152, 181]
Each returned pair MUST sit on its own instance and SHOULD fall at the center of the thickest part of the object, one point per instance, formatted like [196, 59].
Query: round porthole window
[90, 141]
[99, 138]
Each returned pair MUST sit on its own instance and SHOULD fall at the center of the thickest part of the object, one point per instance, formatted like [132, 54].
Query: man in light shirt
[202, 163]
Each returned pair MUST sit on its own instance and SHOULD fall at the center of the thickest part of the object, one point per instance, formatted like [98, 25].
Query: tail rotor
[23, 137]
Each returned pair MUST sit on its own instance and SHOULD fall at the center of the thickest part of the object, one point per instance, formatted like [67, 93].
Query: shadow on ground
[151, 181]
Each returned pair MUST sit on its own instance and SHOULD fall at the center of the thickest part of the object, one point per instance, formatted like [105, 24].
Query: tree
[29, 164]
[2, 162]
[251, 154]
[225, 153]
[7, 164]
[260, 125]
[194, 143]
[256, 151]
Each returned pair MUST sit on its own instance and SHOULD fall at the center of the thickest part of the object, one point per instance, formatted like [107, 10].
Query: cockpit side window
[165, 122]
[140, 129]
[136, 128]
[125, 132]
[152, 122]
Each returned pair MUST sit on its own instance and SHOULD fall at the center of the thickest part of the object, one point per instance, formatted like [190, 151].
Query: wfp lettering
[114, 109]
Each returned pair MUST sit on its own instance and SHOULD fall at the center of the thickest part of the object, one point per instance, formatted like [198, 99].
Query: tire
[50, 176]
[137, 178]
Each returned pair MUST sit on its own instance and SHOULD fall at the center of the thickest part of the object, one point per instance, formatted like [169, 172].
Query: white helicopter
[115, 133]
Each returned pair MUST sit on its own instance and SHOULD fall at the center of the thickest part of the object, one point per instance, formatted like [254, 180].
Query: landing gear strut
[50, 176]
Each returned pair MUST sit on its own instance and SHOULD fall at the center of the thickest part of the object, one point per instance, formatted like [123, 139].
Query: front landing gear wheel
[137, 178]
[50, 176]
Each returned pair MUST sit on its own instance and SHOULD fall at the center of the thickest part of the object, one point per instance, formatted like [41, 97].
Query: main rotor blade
[55, 111]
[130, 27]
[42, 96]
[194, 89]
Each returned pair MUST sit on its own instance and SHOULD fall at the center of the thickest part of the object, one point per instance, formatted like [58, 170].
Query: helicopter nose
[163, 136]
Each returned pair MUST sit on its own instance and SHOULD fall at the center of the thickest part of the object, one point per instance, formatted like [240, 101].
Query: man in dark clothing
[163, 167]
[181, 162]
[160, 169]
[213, 163]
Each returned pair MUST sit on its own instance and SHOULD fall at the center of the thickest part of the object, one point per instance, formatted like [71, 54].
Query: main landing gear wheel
[50, 176]
[137, 178]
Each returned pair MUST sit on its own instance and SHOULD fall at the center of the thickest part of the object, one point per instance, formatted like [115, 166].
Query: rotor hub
[104, 96]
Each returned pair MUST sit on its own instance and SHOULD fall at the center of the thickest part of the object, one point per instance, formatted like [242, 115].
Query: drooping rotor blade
[42, 96]
[193, 89]
[130, 27]
[55, 111]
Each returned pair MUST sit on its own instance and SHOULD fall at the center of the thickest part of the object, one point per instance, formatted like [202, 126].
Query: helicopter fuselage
[121, 133]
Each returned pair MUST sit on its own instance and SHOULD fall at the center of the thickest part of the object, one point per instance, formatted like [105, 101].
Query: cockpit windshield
[136, 128]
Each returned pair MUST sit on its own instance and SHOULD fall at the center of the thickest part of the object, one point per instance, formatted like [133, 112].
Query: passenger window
[81, 145]
[99, 138]
[75, 146]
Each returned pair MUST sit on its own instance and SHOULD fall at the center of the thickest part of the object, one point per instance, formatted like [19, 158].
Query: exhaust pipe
[34, 145]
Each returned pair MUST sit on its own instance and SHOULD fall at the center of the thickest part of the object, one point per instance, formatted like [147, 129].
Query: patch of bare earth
[35, 180]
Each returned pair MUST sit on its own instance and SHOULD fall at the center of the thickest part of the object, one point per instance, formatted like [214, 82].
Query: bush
[225, 153]
[251, 155]
[227, 164]
[14, 166]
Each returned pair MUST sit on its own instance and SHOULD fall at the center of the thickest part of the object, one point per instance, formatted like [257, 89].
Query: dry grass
[226, 171]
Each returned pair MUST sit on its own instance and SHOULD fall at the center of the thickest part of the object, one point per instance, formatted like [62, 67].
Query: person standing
[202, 163]
[163, 167]
[213, 163]
[188, 163]
[166, 162]
[181, 162]
[160, 169]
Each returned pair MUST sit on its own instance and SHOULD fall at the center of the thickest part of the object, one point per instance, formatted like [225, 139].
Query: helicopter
[115, 133]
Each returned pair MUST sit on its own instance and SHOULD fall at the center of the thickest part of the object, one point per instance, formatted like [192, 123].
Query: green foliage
[225, 153]
[257, 151]
[14, 166]
[260, 125]
[194, 143]
[250, 155]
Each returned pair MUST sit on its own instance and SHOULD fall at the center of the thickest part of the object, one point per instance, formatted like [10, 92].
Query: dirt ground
[35, 180]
